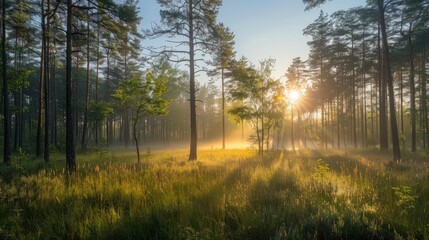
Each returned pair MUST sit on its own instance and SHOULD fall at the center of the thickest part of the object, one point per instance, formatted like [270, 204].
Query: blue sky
[264, 28]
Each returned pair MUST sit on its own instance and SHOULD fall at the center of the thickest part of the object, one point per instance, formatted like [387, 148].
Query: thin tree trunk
[354, 123]
[97, 78]
[364, 112]
[42, 77]
[338, 111]
[382, 96]
[54, 100]
[291, 131]
[85, 114]
[412, 92]
[75, 99]
[136, 141]
[402, 101]
[46, 86]
[126, 129]
[192, 91]
[331, 122]
[388, 72]
[6, 119]
[70, 152]
[223, 109]
[16, 101]
[424, 99]
[109, 128]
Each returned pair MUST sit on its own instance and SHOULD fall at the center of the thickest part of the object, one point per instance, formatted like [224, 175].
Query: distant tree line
[66, 67]
[368, 69]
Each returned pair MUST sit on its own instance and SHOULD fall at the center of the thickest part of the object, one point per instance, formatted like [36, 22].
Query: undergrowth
[231, 194]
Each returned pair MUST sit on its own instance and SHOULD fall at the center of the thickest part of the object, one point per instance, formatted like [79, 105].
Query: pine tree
[193, 21]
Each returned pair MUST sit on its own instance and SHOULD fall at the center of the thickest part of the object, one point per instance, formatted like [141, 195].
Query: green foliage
[404, 198]
[309, 4]
[143, 96]
[22, 156]
[98, 111]
[321, 171]
[256, 97]
[20, 78]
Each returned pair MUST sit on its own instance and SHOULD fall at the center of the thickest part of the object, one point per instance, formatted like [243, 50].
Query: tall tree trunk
[109, 127]
[70, 152]
[389, 78]
[424, 106]
[299, 127]
[126, 125]
[42, 77]
[291, 130]
[16, 101]
[85, 114]
[192, 91]
[331, 113]
[354, 122]
[6, 119]
[223, 108]
[54, 100]
[338, 114]
[423, 100]
[46, 85]
[402, 101]
[21, 107]
[97, 77]
[412, 91]
[343, 102]
[382, 95]
[371, 109]
[75, 98]
[364, 112]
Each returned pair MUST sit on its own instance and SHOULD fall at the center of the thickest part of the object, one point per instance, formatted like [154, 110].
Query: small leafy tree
[259, 99]
[143, 96]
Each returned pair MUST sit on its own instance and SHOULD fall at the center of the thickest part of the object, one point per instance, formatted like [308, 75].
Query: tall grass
[230, 194]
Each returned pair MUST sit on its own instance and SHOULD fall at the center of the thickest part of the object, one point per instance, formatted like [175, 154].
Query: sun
[294, 96]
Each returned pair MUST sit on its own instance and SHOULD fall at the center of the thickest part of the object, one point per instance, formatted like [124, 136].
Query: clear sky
[264, 28]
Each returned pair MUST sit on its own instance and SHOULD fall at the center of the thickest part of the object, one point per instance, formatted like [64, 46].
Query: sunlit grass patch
[231, 194]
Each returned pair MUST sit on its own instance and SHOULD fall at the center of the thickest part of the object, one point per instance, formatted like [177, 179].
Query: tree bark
[291, 131]
[136, 140]
[389, 78]
[382, 96]
[97, 77]
[54, 100]
[6, 120]
[412, 91]
[424, 100]
[70, 151]
[16, 101]
[85, 114]
[223, 108]
[42, 77]
[192, 91]
[46, 85]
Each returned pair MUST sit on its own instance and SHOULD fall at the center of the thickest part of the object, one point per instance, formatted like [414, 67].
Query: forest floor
[231, 194]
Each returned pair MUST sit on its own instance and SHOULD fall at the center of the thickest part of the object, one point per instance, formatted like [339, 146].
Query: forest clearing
[212, 119]
[227, 194]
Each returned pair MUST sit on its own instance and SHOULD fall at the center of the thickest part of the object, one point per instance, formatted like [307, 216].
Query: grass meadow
[231, 194]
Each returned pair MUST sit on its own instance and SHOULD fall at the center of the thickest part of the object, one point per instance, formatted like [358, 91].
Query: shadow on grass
[250, 199]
